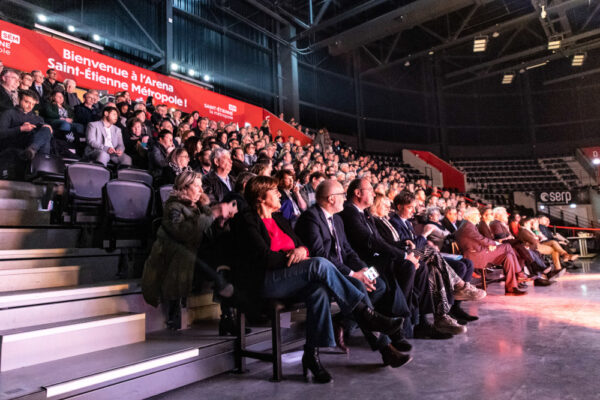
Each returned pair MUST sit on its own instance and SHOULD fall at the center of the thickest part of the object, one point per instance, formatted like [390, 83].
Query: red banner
[453, 178]
[27, 50]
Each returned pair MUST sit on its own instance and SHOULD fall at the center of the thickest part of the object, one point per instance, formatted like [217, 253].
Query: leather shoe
[393, 357]
[371, 320]
[428, 331]
[543, 282]
[553, 275]
[522, 285]
[461, 315]
[515, 292]
[338, 333]
[400, 343]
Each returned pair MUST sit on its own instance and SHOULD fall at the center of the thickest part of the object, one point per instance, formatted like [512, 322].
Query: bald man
[323, 231]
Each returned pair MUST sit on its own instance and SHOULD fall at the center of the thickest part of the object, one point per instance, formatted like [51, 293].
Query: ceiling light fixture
[536, 65]
[508, 77]
[543, 13]
[578, 59]
[554, 43]
[480, 44]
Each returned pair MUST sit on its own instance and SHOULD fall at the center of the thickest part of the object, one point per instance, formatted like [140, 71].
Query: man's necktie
[336, 243]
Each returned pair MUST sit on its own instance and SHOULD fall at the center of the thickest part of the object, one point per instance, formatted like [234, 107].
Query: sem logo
[11, 37]
[232, 108]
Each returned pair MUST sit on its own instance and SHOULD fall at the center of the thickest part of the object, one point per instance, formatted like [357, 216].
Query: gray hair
[67, 81]
[431, 210]
[470, 211]
[498, 211]
[218, 153]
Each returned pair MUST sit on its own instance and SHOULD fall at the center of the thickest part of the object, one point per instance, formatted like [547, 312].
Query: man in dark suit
[392, 262]
[454, 274]
[483, 251]
[450, 219]
[217, 183]
[9, 82]
[323, 231]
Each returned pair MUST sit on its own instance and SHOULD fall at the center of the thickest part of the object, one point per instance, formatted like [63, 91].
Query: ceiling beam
[400, 19]
[338, 18]
[268, 11]
[585, 47]
[572, 76]
[525, 19]
[322, 11]
[521, 54]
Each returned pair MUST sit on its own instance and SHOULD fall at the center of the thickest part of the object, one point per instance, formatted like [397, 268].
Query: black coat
[6, 102]
[313, 229]
[10, 127]
[448, 225]
[364, 237]
[214, 187]
[252, 245]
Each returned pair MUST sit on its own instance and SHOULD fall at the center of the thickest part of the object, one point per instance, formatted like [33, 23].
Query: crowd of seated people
[314, 223]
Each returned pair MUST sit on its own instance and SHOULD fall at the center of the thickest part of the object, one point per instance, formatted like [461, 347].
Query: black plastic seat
[84, 183]
[132, 174]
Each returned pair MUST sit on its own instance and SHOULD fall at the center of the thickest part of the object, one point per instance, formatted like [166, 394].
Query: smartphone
[371, 273]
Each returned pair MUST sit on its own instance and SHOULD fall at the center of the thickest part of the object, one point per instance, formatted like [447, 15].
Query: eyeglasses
[338, 194]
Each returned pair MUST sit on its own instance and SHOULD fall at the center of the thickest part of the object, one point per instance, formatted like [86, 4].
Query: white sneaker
[469, 293]
[447, 324]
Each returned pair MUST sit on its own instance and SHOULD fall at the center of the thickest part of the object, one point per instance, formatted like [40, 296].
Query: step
[19, 189]
[38, 238]
[24, 218]
[38, 278]
[43, 343]
[169, 352]
[97, 265]
[34, 307]
[19, 204]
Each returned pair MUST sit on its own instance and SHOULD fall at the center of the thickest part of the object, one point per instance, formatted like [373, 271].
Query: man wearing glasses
[322, 229]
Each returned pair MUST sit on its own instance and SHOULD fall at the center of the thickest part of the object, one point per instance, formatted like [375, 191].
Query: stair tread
[51, 327]
[55, 252]
[28, 380]
[67, 293]
[37, 270]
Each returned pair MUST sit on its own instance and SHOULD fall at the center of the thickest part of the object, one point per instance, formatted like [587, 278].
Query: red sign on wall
[27, 50]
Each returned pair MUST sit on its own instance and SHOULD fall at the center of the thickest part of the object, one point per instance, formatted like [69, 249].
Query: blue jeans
[312, 281]
[376, 340]
[40, 139]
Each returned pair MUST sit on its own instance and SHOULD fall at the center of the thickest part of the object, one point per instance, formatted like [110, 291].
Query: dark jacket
[363, 235]
[6, 102]
[84, 115]
[169, 269]
[72, 100]
[313, 229]
[214, 187]
[10, 124]
[50, 112]
[157, 159]
[485, 230]
[528, 238]
[252, 245]
[407, 232]
[448, 225]
[49, 88]
[238, 167]
[499, 230]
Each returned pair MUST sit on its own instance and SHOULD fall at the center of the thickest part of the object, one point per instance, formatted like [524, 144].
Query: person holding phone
[323, 230]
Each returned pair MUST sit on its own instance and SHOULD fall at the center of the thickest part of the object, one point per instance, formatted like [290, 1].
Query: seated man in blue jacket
[21, 128]
[323, 231]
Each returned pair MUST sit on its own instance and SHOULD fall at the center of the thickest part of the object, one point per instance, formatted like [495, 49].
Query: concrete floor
[544, 345]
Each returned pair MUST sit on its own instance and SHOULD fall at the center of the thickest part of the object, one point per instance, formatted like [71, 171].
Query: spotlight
[596, 161]
[96, 37]
[578, 60]
[543, 13]
[495, 34]
[554, 43]
[42, 18]
[71, 28]
[431, 52]
[542, 206]
[573, 205]
[508, 77]
[206, 78]
[480, 44]
[174, 66]
[191, 72]
[407, 63]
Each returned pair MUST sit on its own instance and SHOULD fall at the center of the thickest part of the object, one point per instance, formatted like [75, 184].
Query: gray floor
[545, 345]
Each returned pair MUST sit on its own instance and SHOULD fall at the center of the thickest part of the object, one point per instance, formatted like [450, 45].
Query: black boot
[458, 313]
[393, 357]
[228, 325]
[399, 342]
[370, 320]
[310, 361]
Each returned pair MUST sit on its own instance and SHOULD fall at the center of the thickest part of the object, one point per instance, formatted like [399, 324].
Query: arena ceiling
[392, 34]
